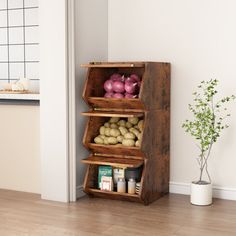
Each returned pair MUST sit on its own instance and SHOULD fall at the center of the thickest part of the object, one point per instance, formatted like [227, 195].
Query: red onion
[115, 77]
[118, 86]
[131, 87]
[108, 95]
[135, 77]
[118, 95]
[108, 86]
[129, 79]
[128, 95]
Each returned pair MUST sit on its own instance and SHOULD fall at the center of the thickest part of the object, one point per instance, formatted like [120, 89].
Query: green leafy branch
[208, 120]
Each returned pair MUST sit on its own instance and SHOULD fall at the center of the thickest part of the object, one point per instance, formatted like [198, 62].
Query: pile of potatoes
[128, 132]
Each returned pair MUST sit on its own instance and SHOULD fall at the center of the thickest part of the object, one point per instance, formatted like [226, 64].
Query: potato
[140, 136]
[133, 120]
[128, 125]
[140, 125]
[123, 130]
[128, 142]
[114, 126]
[136, 127]
[120, 138]
[102, 130]
[138, 143]
[121, 123]
[106, 141]
[112, 140]
[134, 131]
[102, 136]
[107, 131]
[114, 132]
[129, 135]
[98, 140]
[114, 119]
[107, 125]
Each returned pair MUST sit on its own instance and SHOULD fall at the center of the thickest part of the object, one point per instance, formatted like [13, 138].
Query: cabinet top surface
[117, 64]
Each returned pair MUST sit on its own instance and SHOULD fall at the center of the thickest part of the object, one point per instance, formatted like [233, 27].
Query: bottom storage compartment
[114, 182]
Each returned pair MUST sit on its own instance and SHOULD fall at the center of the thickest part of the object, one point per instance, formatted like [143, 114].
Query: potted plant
[208, 122]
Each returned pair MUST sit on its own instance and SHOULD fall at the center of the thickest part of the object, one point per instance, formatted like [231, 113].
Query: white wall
[53, 106]
[19, 142]
[198, 38]
[91, 44]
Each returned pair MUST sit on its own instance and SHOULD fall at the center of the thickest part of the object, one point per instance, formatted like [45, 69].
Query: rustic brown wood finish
[153, 105]
[113, 161]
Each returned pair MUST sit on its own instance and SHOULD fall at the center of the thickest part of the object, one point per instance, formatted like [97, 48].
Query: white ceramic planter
[201, 194]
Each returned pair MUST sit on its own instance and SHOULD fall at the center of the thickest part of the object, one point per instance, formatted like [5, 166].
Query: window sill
[31, 96]
[21, 99]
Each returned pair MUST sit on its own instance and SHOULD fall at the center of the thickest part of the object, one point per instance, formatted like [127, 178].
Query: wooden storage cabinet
[152, 105]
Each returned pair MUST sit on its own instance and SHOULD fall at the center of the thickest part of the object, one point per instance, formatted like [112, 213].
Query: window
[19, 43]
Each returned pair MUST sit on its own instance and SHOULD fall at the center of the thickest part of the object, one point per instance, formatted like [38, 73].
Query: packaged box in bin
[103, 171]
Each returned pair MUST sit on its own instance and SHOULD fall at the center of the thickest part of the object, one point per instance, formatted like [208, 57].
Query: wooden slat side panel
[85, 184]
[92, 129]
[156, 135]
[156, 86]
[156, 177]
[86, 91]
[91, 180]
[96, 79]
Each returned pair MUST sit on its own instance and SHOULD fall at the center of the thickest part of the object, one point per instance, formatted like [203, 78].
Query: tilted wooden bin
[152, 105]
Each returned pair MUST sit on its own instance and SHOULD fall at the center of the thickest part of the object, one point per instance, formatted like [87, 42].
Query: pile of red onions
[119, 86]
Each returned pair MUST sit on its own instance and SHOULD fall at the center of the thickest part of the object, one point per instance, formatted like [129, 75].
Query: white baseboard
[218, 192]
[180, 188]
[79, 191]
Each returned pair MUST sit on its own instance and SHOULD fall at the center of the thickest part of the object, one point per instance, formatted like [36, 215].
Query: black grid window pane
[19, 43]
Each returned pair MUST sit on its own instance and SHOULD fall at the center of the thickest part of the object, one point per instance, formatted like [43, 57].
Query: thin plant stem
[209, 177]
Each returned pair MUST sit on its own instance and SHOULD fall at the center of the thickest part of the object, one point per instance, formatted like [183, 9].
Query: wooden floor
[24, 214]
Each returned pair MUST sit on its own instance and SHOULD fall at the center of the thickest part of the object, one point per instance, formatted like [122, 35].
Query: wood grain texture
[93, 90]
[23, 214]
[115, 103]
[112, 64]
[154, 105]
[118, 149]
[92, 130]
[106, 113]
[154, 91]
[113, 161]
[115, 195]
